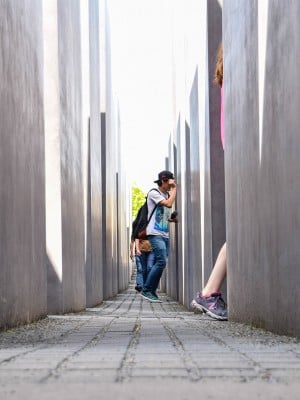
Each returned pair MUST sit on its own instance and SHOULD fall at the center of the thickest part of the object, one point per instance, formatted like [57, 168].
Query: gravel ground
[55, 327]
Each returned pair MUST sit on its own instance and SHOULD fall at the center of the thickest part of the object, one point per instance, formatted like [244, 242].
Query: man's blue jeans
[160, 248]
[150, 263]
[144, 263]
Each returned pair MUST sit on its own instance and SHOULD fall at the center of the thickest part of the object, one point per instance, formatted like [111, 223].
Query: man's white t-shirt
[158, 225]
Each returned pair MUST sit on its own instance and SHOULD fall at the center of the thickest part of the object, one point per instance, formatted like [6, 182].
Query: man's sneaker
[138, 288]
[149, 296]
[214, 305]
[158, 300]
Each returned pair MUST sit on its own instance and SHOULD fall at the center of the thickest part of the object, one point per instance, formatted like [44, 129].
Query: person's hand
[171, 183]
[138, 253]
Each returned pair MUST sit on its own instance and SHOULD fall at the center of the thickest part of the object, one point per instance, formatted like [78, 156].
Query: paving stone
[128, 341]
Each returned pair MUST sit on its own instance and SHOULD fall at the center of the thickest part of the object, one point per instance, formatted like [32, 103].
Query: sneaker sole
[196, 307]
[204, 310]
[215, 316]
[157, 301]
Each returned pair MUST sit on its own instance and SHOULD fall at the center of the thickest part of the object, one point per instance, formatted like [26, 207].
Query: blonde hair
[218, 78]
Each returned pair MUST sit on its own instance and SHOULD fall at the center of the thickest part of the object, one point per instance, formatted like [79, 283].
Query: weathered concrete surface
[73, 155]
[198, 160]
[94, 271]
[65, 155]
[73, 255]
[128, 346]
[115, 208]
[109, 187]
[52, 159]
[22, 200]
[216, 201]
[262, 149]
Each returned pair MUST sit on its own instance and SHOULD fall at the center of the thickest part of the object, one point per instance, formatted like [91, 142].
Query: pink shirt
[222, 116]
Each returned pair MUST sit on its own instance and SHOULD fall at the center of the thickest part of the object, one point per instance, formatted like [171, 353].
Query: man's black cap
[164, 175]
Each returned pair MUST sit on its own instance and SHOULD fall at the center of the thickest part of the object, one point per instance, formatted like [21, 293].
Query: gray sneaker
[149, 296]
[196, 307]
[214, 306]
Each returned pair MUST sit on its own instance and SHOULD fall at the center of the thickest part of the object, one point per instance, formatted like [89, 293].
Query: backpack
[141, 221]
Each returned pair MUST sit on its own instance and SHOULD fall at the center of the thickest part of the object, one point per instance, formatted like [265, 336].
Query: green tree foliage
[138, 199]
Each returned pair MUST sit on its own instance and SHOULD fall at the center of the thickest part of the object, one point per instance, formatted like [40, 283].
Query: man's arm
[169, 202]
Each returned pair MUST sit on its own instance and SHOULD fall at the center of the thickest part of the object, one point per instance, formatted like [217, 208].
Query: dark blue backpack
[141, 221]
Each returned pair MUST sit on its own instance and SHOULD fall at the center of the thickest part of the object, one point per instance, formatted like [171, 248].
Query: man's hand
[171, 183]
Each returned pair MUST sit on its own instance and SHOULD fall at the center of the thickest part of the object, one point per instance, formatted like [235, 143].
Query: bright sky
[141, 67]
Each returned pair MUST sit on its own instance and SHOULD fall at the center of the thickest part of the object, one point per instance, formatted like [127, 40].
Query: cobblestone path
[127, 348]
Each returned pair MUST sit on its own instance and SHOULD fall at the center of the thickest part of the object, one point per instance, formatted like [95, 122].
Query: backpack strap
[153, 202]
[148, 220]
[153, 189]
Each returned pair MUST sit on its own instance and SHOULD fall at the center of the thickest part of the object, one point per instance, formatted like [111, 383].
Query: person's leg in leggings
[210, 299]
[217, 275]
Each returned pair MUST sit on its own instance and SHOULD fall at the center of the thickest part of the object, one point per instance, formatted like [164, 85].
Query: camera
[174, 214]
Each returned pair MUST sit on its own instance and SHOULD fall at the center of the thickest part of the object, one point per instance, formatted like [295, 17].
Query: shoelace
[220, 302]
